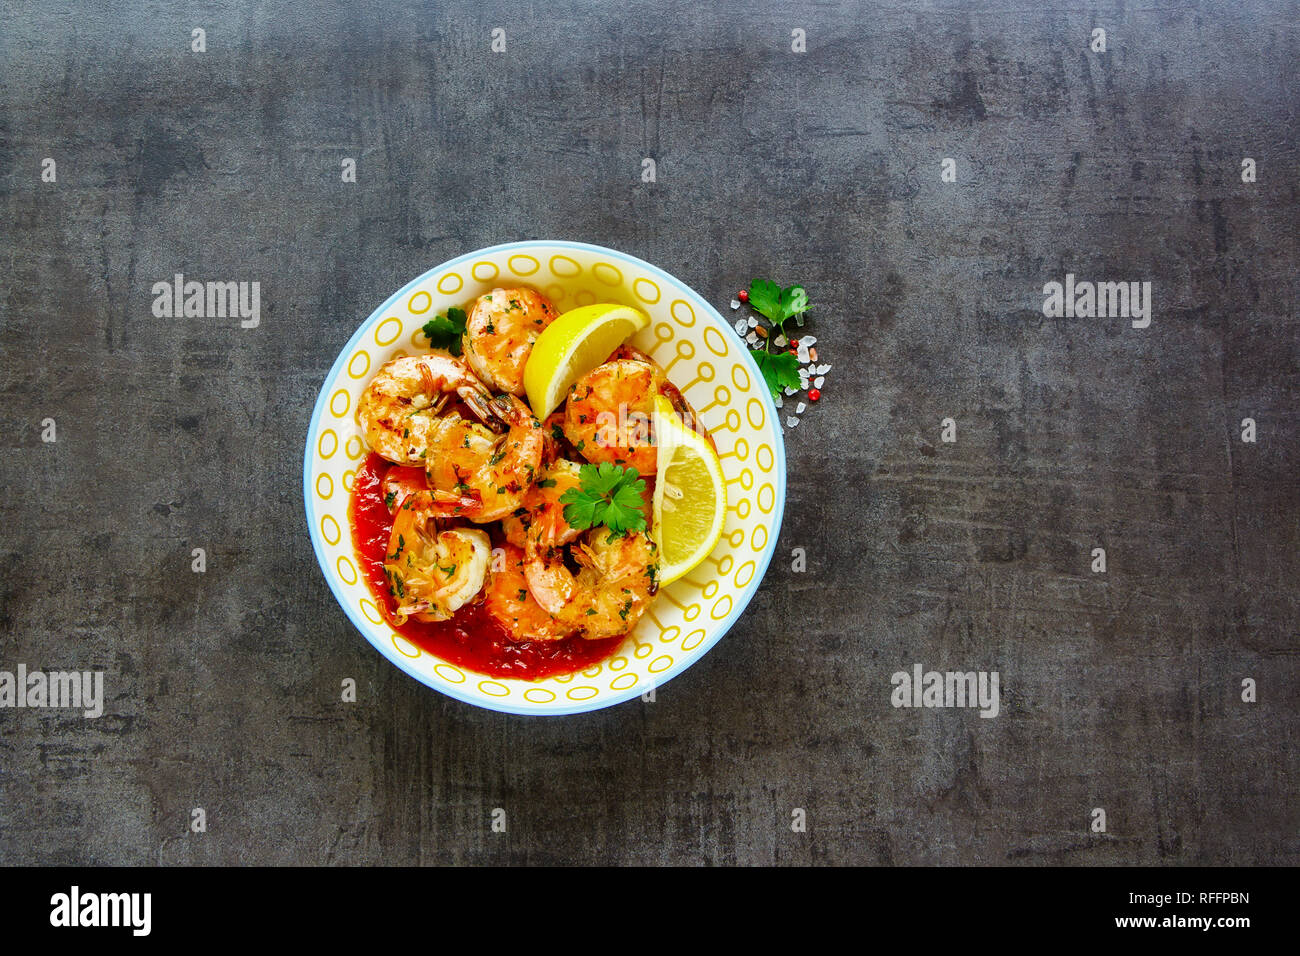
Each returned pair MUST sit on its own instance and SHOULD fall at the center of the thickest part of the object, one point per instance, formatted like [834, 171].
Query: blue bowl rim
[579, 707]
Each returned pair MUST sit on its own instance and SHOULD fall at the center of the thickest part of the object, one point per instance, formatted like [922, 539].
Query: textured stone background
[1120, 690]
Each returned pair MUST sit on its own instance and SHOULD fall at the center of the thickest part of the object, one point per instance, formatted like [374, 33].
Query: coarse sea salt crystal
[752, 338]
[798, 409]
[792, 421]
[817, 382]
[808, 340]
[779, 401]
[803, 353]
[753, 322]
[791, 391]
[735, 304]
[741, 326]
[823, 369]
[781, 341]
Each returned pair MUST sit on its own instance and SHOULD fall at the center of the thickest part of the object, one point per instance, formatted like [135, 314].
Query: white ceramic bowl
[702, 355]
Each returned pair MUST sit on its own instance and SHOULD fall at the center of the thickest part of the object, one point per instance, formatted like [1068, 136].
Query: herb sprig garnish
[607, 494]
[444, 331]
[777, 304]
[780, 369]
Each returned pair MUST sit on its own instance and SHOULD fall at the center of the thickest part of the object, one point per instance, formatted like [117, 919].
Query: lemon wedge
[690, 499]
[572, 346]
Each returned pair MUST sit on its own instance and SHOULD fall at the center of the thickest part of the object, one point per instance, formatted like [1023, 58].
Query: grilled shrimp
[399, 483]
[507, 600]
[497, 470]
[406, 396]
[609, 414]
[457, 447]
[433, 573]
[541, 515]
[613, 586]
[499, 335]
[667, 389]
[402, 481]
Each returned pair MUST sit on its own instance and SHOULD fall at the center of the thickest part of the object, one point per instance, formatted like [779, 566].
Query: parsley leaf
[780, 370]
[794, 303]
[444, 331]
[778, 304]
[608, 495]
[765, 297]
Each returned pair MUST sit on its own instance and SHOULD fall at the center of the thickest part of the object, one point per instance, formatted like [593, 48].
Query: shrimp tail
[509, 410]
[449, 504]
[439, 404]
[409, 610]
[480, 402]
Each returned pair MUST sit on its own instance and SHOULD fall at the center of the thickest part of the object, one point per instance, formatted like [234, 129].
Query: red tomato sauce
[471, 639]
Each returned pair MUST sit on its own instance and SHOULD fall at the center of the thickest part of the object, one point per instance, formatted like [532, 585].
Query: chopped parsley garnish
[607, 495]
[444, 331]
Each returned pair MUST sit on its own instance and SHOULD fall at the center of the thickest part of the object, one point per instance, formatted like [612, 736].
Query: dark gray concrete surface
[1120, 691]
